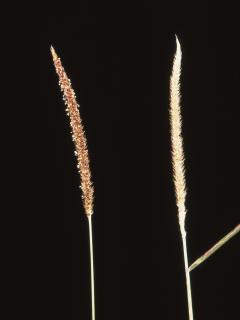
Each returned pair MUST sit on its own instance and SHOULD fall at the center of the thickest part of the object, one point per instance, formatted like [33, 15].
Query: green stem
[187, 274]
[91, 266]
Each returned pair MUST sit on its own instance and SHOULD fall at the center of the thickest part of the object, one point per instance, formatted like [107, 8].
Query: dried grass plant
[178, 161]
[81, 152]
[179, 174]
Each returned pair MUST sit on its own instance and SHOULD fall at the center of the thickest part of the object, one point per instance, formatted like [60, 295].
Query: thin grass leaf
[217, 246]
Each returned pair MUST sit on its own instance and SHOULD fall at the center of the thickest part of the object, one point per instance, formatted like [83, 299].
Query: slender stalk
[91, 266]
[217, 246]
[188, 281]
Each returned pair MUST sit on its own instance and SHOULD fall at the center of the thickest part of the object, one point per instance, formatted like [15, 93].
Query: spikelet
[176, 138]
[78, 134]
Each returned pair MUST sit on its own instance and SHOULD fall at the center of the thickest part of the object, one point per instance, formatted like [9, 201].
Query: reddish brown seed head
[78, 135]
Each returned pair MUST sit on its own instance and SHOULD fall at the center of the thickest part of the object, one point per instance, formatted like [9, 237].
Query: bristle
[78, 134]
[176, 137]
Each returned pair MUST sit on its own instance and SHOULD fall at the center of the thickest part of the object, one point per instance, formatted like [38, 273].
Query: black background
[119, 58]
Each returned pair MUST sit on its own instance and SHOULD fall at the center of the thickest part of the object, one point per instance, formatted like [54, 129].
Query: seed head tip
[53, 52]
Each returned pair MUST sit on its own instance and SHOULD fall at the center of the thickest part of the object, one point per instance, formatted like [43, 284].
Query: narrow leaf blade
[217, 246]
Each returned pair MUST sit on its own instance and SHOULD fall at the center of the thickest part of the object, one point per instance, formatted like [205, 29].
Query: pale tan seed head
[176, 137]
[78, 135]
